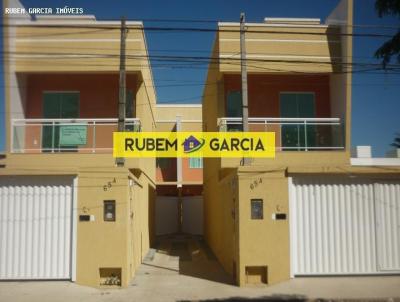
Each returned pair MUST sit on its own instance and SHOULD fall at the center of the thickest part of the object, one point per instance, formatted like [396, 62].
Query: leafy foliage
[396, 141]
[391, 47]
[387, 7]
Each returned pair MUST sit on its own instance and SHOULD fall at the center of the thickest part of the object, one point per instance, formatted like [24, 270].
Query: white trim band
[277, 56]
[73, 40]
[279, 40]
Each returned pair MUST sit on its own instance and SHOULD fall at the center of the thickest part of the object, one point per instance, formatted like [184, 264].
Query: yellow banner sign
[194, 144]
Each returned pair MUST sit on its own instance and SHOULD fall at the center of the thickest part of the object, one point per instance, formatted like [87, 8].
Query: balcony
[294, 134]
[37, 135]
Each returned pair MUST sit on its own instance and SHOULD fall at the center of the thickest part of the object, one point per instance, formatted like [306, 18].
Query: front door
[57, 105]
[297, 105]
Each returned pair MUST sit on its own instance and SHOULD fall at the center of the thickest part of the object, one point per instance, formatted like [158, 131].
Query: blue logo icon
[192, 144]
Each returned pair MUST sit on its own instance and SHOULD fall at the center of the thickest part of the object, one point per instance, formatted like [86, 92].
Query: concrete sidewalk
[185, 270]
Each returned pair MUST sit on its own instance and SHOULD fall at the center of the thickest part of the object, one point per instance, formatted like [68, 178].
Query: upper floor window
[60, 105]
[196, 163]
[297, 135]
[234, 108]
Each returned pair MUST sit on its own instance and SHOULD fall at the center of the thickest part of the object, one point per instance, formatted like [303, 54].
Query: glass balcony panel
[67, 135]
[294, 134]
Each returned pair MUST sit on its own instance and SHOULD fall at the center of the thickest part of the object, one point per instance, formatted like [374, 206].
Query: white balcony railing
[296, 134]
[41, 135]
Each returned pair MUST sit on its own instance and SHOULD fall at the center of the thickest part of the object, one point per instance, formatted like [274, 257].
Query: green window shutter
[234, 109]
[51, 109]
[288, 105]
[297, 105]
[196, 163]
[57, 105]
[234, 104]
[61, 104]
[69, 105]
[305, 105]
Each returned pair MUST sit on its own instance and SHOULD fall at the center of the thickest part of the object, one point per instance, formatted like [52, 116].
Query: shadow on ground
[195, 257]
[277, 298]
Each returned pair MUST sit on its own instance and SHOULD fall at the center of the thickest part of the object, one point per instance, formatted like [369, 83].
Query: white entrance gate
[344, 226]
[36, 227]
[387, 201]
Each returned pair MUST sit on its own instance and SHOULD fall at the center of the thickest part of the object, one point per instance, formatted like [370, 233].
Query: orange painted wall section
[190, 174]
[263, 92]
[98, 92]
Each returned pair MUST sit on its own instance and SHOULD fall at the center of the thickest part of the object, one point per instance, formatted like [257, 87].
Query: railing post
[305, 135]
[40, 147]
[94, 137]
[12, 137]
[52, 136]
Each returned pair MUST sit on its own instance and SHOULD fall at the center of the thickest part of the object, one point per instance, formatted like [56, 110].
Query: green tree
[391, 47]
[396, 141]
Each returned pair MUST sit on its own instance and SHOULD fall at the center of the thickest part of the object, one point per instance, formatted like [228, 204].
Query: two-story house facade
[67, 211]
[307, 211]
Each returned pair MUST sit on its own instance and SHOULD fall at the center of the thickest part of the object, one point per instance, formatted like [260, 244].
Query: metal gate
[387, 200]
[36, 227]
[166, 214]
[192, 215]
[344, 226]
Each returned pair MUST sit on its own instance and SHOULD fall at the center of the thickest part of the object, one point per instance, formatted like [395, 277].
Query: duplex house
[67, 211]
[308, 211]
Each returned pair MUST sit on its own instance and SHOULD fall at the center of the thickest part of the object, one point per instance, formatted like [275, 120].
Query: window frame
[197, 166]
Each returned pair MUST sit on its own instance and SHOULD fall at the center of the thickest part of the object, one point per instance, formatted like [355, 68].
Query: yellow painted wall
[102, 244]
[295, 159]
[141, 198]
[264, 242]
[341, 84]
[220, 209]
[275, 44]
[219, 189]
[50, 49]
[191, 117]
[186, 111]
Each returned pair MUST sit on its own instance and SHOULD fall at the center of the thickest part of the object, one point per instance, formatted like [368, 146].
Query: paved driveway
[183, 269]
